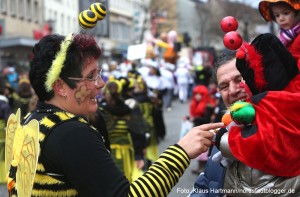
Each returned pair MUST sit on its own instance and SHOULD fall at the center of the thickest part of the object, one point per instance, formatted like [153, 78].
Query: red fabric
[254, 58]
[197, 108]
[294, 49]
[275, 147]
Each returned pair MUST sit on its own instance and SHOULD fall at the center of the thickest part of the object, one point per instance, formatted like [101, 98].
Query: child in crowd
[286, 14]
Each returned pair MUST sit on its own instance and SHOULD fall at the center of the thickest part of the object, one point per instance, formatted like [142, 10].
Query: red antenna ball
[232, 40]
[229, 23]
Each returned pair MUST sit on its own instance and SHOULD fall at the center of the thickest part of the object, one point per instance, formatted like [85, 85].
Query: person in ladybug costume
[265, 153]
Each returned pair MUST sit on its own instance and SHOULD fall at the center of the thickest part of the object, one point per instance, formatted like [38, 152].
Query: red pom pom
[240, 54]
[232, 40]
[229, 23]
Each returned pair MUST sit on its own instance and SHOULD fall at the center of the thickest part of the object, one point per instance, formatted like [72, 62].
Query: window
[13, 7]
[69, 23]
[55, 24]
[3, 6]
[21, 8]
[36, 11]
[114, 30]
[28, 9]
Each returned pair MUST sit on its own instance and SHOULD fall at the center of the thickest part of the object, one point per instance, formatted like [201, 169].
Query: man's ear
[59, 87]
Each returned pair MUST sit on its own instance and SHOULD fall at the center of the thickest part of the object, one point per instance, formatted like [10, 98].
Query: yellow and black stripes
[157, 181]
[45, 184]
[162, 175]
[99, 10]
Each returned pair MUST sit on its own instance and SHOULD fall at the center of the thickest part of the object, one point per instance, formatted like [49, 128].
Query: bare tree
[212, 12]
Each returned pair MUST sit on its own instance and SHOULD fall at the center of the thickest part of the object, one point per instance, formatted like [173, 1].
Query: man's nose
[233, 88]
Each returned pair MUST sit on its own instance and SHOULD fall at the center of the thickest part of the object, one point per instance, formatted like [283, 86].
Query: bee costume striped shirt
[73, 161]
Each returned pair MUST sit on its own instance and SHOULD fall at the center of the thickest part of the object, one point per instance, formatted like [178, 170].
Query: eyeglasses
[94, 79]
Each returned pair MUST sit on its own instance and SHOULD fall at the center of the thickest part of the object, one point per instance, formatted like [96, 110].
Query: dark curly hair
[225, 56]
[82, 47]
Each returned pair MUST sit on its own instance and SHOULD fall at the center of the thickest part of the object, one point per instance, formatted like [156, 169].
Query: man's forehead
[227, 69]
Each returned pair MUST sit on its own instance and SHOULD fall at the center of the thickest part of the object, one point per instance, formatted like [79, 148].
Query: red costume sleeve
[294, 49]
[272, 143]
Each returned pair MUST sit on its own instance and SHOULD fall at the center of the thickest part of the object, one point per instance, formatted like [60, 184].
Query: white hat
[149, 62]
[105, 67]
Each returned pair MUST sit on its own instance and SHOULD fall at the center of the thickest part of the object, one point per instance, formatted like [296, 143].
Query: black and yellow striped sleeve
[162, 175]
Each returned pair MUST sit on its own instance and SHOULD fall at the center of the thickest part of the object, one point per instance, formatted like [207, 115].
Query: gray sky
[253, 3]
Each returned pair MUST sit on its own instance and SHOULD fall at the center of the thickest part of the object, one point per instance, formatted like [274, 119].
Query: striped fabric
[45, 185]
[287, 36]
[156, 182]
[163, 175]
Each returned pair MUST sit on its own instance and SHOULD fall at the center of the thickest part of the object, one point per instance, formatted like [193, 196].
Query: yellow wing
[28, 159]
[21, 151]
[11, 128]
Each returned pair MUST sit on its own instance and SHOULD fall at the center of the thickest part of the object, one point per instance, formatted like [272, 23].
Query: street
[173, 125]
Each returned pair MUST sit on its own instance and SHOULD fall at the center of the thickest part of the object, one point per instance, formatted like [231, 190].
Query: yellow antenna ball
[99, 9]
[87, 19]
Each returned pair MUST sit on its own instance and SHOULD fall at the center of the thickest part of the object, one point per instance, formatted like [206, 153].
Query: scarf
[287, 36]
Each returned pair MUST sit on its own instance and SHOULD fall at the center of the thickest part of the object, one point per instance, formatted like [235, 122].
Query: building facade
[18, 20]
[61, 15]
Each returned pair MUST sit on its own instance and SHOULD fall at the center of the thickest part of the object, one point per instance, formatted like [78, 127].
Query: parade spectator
[167, 76]
[25, 93]
[201, 110]
[125, 129]
[244, 167]
[155, 87]
[64, 73]
[286, 13]
[12, 76]
[212, 179]
[4, 114]
[202, 74]
[114, 69]
[140, 93]
[183, 76]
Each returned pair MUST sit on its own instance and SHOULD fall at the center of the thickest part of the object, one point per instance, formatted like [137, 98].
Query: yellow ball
[87, 19]
[99, 9]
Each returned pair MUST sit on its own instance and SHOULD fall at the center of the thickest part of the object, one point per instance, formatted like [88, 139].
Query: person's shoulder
[73, 126]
